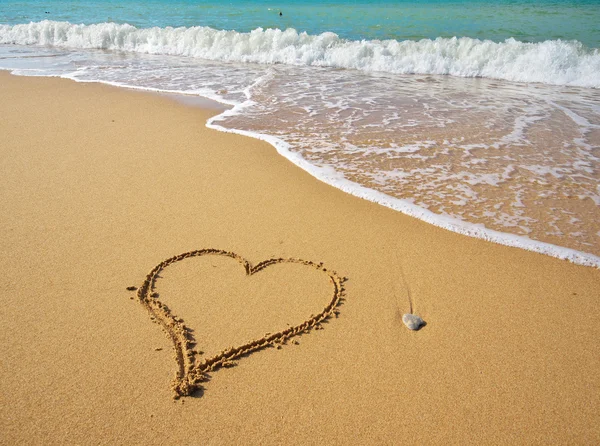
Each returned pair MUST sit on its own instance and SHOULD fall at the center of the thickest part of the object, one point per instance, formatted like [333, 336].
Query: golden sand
[100, 185]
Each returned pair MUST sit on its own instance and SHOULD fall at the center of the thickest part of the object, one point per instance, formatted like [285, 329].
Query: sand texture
[267, 303]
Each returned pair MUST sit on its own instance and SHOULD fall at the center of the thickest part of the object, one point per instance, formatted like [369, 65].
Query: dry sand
[99, 185]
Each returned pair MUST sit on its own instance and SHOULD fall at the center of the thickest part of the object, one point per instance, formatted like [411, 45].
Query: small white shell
[412, 321]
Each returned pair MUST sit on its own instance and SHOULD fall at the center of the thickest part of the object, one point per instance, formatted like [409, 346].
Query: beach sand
[99, 185]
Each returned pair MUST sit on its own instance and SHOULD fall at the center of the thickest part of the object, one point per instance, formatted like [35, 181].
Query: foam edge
[333, 178]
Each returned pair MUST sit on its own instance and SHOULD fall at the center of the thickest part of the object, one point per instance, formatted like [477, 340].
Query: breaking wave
[554, 62]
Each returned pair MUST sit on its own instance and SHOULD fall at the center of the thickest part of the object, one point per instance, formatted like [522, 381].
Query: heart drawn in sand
[191, 370]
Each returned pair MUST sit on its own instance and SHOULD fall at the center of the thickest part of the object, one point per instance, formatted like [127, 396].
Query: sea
[478, 116]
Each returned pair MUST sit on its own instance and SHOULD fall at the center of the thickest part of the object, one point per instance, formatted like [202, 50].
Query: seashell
[412, 321]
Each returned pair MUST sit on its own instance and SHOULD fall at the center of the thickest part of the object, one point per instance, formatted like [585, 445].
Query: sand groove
[191, 370]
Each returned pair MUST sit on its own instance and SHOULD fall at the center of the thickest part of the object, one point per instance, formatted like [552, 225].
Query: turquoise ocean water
[481, 117]
[527, 21]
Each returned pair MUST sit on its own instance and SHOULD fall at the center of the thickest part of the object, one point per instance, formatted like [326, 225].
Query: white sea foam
[334, 178]
[367, 169]
[552, 62]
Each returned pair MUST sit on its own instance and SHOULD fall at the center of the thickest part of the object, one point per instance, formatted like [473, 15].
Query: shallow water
[515, 158]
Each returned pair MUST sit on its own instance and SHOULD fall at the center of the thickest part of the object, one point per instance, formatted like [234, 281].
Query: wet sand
[99, 185]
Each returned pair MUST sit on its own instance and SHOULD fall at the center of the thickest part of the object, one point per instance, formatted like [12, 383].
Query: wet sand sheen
[517, 158]
[98, 185]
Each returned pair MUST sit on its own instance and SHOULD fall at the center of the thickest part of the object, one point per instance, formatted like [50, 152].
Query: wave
[330, 176]
[554, 62]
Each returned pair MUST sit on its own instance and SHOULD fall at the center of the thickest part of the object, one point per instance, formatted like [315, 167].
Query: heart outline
[191, 372]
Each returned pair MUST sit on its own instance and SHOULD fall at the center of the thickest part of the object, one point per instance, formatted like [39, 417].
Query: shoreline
[337, 180]
[100, 183]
